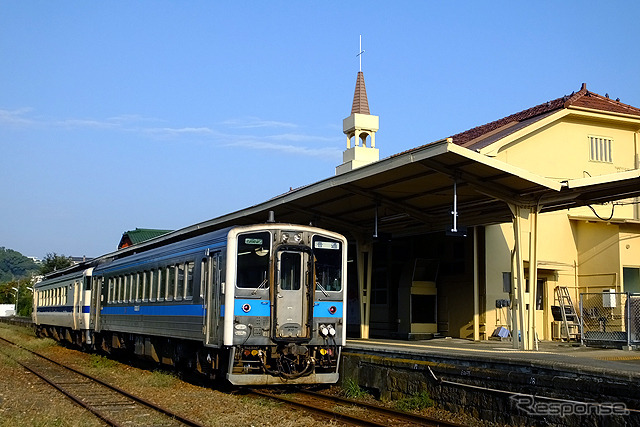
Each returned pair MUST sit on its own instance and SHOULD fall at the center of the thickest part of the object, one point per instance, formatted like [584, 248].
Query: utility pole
[17, 292]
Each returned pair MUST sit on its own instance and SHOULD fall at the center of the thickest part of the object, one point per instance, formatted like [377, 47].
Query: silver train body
[257, 305]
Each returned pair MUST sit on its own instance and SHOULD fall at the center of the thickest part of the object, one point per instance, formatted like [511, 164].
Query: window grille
[600, 149]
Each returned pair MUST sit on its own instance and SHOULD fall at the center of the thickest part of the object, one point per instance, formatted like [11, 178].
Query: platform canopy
[413, 192]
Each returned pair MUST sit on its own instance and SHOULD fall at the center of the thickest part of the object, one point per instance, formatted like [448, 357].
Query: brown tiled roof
[583, 98]
[360, 103]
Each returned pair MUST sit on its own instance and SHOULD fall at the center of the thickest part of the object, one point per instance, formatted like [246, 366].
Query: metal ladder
[570, 319]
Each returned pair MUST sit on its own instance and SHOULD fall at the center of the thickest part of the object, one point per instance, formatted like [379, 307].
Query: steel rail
[419, 419]
[89, 407]
[327, 413]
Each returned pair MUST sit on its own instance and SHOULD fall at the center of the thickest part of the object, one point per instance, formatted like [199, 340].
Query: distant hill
[14, 265]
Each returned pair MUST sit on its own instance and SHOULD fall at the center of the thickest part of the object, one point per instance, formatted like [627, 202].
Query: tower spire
[360, 128]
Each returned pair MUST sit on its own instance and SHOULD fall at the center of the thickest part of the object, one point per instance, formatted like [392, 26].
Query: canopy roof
[413, 192]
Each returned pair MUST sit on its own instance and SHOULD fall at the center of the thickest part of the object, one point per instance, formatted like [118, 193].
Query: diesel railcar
[261, 304]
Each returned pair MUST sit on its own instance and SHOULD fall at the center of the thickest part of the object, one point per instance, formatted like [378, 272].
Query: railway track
[349, 411]
[112, 405]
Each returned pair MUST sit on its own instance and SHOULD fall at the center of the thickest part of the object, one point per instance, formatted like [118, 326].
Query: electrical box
[609, 298]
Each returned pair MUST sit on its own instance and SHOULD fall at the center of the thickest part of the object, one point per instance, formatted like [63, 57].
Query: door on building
[631, 279]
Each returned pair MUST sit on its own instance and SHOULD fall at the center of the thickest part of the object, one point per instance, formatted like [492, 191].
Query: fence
[610, 318]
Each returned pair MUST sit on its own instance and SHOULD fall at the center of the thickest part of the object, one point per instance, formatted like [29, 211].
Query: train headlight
[246, 308]
[324, 331]
[333, 309]
[332, 331]
[297, 238]
[285, 237]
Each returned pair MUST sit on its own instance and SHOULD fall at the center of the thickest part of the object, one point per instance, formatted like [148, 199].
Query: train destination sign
[327, 245]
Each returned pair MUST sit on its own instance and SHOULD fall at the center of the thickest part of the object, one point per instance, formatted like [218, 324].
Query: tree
[14, 265]
[25, 295]
[53, 262]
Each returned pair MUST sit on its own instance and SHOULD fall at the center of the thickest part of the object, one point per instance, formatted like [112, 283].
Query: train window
[133, 287]
[171, 282]
[119, 286]
[253, 260]
[290, 270]
[139, 286]
[126, 285]
[180, 281]
[328, 263]
[204, 275]
[136, 294]
[188, 292]
[160, 295]
[146, 285]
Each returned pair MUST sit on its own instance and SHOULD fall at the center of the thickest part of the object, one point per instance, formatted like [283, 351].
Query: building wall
[568, 140]
[557, 260]
[578, 249]
[598, 256]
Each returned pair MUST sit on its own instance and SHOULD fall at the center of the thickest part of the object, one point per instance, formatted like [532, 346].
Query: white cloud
[291, 143]
[15, 117]
[258, 144]
[255, 122]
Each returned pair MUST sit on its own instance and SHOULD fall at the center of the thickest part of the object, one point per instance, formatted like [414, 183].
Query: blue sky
[117, 115]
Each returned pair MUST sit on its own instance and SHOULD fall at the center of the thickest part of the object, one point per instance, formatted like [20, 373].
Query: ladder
[570, 319]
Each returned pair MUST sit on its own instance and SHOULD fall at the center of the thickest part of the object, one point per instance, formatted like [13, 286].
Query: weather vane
[359, 55]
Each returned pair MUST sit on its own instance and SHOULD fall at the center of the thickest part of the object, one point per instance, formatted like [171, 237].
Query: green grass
[414, 403]
[100, 362]
[162, 379]
[352, 390]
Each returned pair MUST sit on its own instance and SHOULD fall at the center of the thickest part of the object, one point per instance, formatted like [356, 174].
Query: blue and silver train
[257, 305]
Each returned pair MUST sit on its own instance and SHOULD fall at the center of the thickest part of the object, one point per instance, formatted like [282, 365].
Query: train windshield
[328, 263]
[253, 260]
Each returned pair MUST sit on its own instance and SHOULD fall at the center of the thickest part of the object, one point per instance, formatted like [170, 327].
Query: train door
[96, 304]
[210, 292]
[291, 303]
[77, 303]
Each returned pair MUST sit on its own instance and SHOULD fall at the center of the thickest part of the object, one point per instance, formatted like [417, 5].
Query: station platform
[498, 383]
[609, 362]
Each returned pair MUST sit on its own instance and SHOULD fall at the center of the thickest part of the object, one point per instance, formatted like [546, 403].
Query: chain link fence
[610, 318]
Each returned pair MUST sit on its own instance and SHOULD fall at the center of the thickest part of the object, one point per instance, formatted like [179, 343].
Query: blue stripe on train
[321, 308]
[61, 309]
[252, 307]
[156, 310]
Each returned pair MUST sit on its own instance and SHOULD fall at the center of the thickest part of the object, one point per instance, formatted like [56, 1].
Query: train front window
[253, 260]
[328, 263]
[290, 271]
